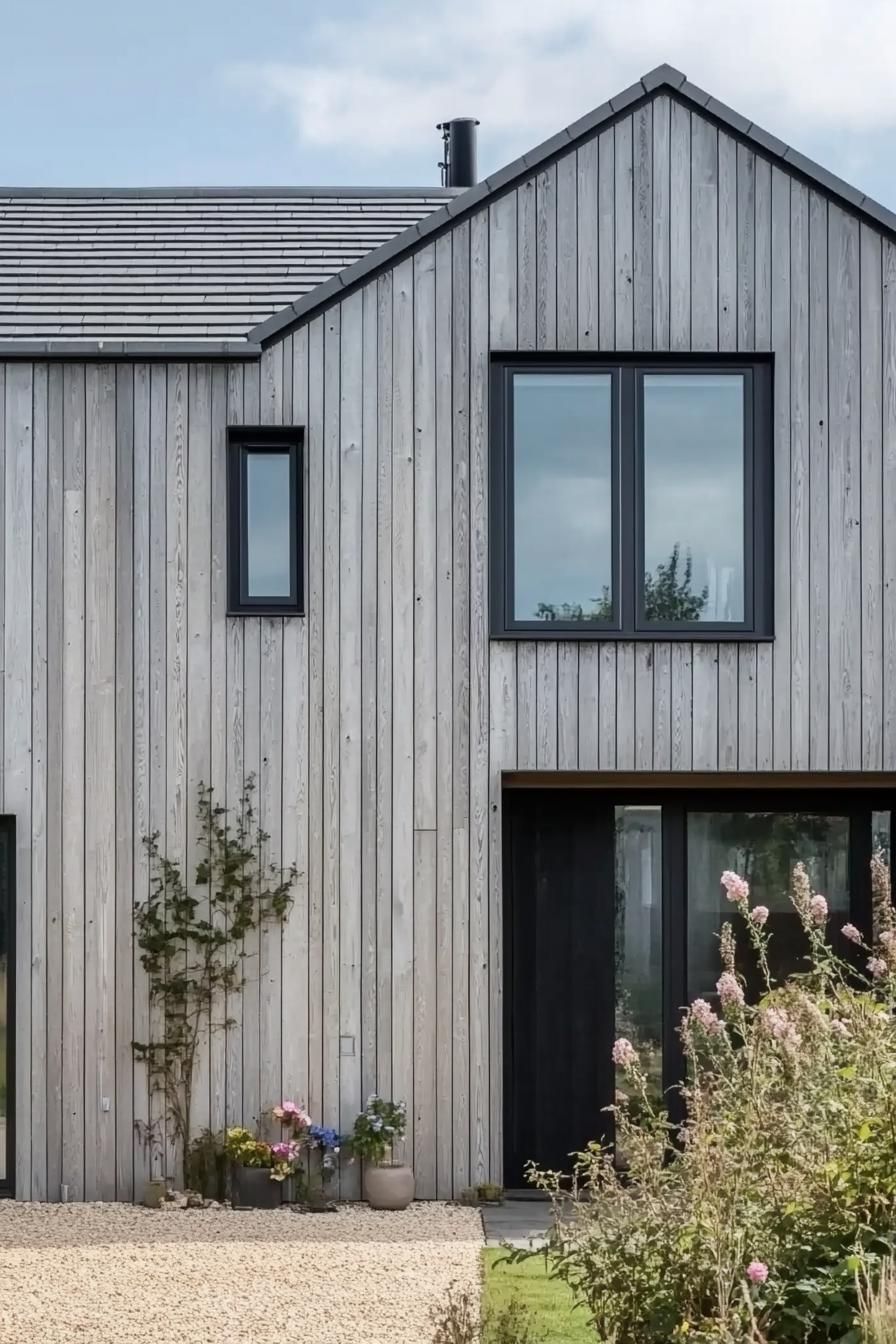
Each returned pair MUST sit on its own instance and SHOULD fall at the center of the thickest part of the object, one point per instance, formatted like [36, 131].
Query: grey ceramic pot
[388, 1187]
[254, 1189]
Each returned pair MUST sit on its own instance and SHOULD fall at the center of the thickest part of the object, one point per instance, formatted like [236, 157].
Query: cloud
[379, 79]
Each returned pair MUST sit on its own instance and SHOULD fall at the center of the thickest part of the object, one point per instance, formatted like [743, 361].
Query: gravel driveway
[115, 1274]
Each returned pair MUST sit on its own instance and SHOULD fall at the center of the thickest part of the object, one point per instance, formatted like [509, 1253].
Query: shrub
[379, 1126]
[753, 1217]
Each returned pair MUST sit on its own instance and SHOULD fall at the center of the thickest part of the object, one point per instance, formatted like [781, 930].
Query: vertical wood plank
[526, 705]
[662, 221]
[589, 674]
[485, 1122]
[425, 693]
[567, 706]
[625, 705]
[99, 831]
[704, 235]
[680, 228]
[606, 743]
[403, 689]
[315, 643]
[546, 705]
[73, 783]
[141, 500]
[368, 689]
[624, 235]
[124, 781]
[606, 239]
[503, 272]
[819, 471]
[351, 523]
[844, 596]
[545, 259]
[55, 693]
[384, 686]
[746, 248]
[762, 186]
[871, 504]
[235, 772]
[643, 725]
[705, 672]
[526, 251]
[888, 504]
[40, 987]
[157, 691]
[682, 707]
[587, 245]
[502, 756]
[791, 428]
[728, 706]
[662, 706]
[729, 275]
[460, 915]
[218, 699]
[444, 1114]
[567, 254]
[747, 706]
[642, 199]
[331, 755]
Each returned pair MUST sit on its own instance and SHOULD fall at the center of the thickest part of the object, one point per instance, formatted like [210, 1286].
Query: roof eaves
[209, 193]
[137, 349]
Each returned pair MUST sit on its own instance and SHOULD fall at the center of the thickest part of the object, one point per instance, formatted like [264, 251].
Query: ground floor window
[612, 911]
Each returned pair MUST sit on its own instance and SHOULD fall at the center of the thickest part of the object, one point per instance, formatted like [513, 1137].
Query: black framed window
[632, 497]
[265, 522]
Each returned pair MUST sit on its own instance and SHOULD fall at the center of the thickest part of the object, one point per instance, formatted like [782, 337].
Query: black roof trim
[204, 193]
[139, 349]
[663, 77]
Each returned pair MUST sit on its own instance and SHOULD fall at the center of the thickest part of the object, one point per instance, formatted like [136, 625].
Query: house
[561, 523]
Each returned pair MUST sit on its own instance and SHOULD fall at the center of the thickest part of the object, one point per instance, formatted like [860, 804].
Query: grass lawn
[549, 1300]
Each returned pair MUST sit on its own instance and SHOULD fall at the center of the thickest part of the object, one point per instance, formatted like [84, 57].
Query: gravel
[117, 1274]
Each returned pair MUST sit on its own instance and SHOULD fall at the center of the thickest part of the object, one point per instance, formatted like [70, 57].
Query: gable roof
[664, 79]
[195, 265]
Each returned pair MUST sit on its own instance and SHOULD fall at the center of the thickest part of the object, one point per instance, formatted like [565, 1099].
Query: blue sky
[114, 92]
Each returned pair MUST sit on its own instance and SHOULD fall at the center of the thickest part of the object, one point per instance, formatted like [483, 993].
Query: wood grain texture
[382, 722]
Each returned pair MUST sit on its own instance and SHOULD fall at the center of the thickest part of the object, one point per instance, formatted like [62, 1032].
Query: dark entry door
[558, 976]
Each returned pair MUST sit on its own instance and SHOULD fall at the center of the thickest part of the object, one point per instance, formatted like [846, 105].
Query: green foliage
[670, 598]
[380, 1125]
[205, 1168]
[190, 936]
[490, 1192]
[550, 1311]
[757, 1217]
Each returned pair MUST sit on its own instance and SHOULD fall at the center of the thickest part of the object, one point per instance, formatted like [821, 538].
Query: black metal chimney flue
[459, 164]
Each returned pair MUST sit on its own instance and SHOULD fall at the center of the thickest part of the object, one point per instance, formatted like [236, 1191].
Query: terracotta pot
[254, 1189]
[388, 1187]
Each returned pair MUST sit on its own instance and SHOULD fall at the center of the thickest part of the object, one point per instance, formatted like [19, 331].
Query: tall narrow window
[631, 497]
[265, 508]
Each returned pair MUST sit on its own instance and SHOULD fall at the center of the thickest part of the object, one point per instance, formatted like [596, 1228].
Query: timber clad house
[532, 543]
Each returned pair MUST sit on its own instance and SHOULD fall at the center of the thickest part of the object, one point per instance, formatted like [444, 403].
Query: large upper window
[265, 516]
[632, 498]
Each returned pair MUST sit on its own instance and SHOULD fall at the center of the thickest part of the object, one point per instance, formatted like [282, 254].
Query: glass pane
[5, 909]
[693, 497]
[881, 896]
[763, 847]
[639, 933]
[268, 523]
[562, 496]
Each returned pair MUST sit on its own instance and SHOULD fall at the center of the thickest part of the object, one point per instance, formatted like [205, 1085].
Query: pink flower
[759, 914]
[779, 1026]
[877, 967]
[737, 889]
[818, 909]
[757, 1272]
[839, 1027]
[624, 1053]
[730, 993]
[887, 939]
[703, 1015]
[851, 932]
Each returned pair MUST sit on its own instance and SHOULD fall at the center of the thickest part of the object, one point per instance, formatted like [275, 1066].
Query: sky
[230, 92]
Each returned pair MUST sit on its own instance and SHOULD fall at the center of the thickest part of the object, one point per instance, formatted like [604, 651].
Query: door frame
[676, 799]
[8, 830]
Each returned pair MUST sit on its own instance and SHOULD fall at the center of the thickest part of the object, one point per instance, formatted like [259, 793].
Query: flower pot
[388, 1187]
[154, 1193]
[254, 1189]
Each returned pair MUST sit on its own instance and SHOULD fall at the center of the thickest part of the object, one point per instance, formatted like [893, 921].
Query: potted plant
[387, 1184]
[258, 1169]
[311, 1151]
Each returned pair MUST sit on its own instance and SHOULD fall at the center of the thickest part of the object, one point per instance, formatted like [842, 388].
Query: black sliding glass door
[612, 910]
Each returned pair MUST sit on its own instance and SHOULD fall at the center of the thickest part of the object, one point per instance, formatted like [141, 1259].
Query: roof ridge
[662, 76]
[207, 193]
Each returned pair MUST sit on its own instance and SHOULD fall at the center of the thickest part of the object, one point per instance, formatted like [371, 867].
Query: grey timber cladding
[185, 265]
[381, 724]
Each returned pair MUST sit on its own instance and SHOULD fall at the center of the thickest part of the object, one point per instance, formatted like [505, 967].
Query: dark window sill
[557, 632]
[244, 612]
